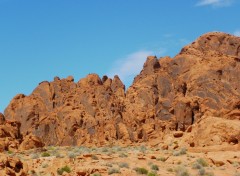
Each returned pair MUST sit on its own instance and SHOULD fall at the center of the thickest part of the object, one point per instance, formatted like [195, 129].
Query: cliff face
[169, 94]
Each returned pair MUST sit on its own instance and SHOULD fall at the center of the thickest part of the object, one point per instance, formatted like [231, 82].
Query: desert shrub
[150, 163]
[182, 151]
[94, 157]
[109, 165]
[170, 169]
[201, 171]
[34, 156]
[141, 170]
[151, 174]
[96, 174]
[113, 171]
[44, 165]
[202, 162]
[163, 159]
[50, 148]
[58, 155]
[181, 171]
[196, 166]
[10, 152]
[123, 155]
[71, 155]
[155, 167]
[64, 169]
[143, 149]
[122, 165]
[105, 149]
[45, 154]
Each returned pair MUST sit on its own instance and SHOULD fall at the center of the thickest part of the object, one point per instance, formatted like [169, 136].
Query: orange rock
[169, 94]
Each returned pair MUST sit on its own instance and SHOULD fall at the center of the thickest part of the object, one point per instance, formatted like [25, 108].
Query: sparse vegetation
[163, 159]
[96, 174]
[123, 155]
[152, 174]
[45, 154]
[141, 170]
[94, 157]
[44, 165]
[182, 151]
[196, 166]
[181, 171]
[105, 149]
[143, 149]
[64, 169]
[10, 152]
[155, 167]
[109, 165]
[71, 155]
[202, 162]
[113, 171]
[34, 156]
[123, 165]
[201, 171]
[58, 155]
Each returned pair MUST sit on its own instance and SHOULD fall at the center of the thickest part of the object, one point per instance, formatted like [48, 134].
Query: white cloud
[237, 33]
[131, 65]
[215, 3]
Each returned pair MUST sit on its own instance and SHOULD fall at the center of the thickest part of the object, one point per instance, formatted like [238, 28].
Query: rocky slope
[170, 94]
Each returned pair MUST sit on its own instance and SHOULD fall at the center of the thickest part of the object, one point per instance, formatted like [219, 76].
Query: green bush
[141, 170]
[10, 152]
[64, 169]
[45, 154]
[151, 174]
[154, 167]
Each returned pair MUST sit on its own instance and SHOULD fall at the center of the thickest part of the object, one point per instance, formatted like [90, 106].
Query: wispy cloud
[131, 65]
[237, 33]
[215, 3]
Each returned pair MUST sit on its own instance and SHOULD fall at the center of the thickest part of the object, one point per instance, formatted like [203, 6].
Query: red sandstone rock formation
[11, 139]
[169, 94]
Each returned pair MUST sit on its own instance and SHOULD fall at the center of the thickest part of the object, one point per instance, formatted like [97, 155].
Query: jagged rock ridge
[169, 94]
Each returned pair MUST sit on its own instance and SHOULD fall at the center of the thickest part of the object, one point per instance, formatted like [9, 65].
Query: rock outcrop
[169, 94]
[11, 139]
[13, 166]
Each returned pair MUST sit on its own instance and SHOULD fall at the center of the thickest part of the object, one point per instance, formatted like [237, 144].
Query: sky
[41, 39]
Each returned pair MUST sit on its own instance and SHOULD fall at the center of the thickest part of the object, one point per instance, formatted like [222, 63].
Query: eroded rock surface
[169, 94]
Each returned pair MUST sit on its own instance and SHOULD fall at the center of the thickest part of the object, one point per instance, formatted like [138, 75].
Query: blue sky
[40, 39]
